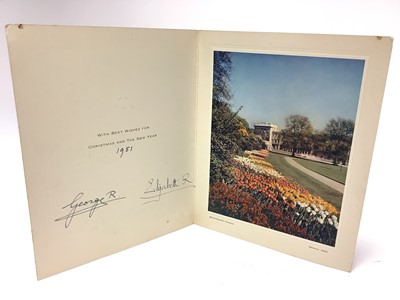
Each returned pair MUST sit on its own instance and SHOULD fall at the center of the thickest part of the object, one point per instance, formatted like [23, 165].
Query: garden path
[329, 182]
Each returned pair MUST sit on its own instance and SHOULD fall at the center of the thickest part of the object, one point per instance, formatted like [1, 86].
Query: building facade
[270, 133]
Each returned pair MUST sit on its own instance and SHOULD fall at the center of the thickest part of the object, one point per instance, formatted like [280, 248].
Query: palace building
[270, 133]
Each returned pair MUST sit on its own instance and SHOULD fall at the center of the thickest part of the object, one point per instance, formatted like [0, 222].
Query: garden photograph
[281, 136]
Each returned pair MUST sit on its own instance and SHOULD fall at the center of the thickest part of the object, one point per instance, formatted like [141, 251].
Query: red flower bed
[274, 202]
[234, 202]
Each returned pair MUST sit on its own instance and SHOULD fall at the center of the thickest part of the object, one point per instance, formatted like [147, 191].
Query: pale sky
[270, 87]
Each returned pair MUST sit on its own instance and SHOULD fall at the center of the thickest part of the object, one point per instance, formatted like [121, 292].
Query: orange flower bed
[268, 199]
[234, 202]
[272, 187]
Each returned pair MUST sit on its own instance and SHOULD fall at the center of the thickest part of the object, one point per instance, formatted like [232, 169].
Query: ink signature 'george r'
[80, 206]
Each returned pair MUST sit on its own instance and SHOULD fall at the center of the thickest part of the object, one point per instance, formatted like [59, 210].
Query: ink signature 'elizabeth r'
[80, 206]
[156, 187]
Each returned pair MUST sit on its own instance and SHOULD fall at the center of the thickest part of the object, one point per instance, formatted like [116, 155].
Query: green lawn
[314, 186]
[336, 173]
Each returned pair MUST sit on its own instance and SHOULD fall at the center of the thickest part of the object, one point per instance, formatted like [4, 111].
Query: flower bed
[261, 195]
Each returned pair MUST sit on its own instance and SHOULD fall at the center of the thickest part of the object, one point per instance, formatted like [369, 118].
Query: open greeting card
[129, 134]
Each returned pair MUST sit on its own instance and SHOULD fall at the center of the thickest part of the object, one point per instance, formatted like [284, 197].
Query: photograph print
[281, 137]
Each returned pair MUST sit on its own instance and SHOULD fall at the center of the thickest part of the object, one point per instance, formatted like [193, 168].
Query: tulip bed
[259, 194]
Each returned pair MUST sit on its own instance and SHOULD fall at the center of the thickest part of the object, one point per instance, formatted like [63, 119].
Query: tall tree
[230, 134]
[222, 76]
[339, 136]
[297, 133]
[223, 125]
[318, 143]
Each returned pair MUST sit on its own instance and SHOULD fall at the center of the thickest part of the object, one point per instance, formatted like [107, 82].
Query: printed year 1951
[123, 150]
